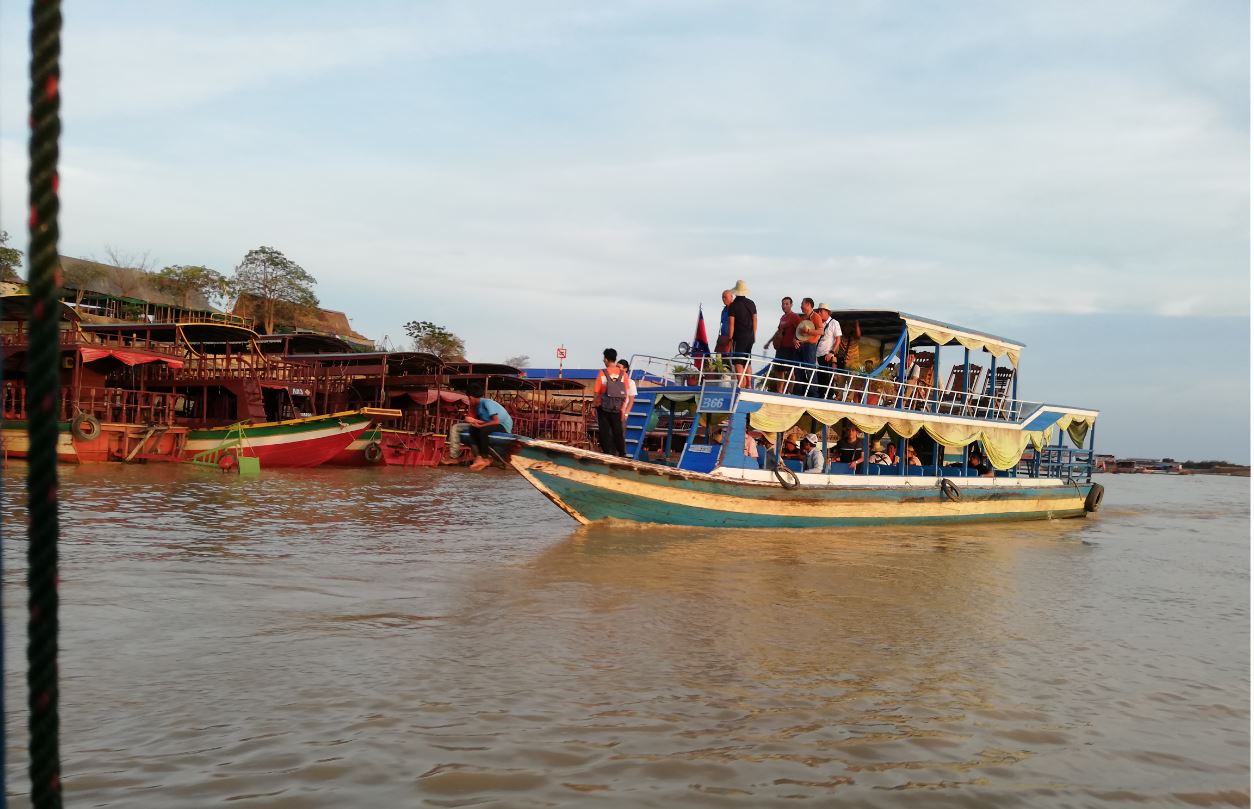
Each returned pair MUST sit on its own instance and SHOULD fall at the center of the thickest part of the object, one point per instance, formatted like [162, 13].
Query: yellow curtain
[943, 337]
[1077, 427]
[1002, 446]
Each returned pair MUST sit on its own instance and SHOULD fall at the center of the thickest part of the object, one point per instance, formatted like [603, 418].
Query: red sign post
[561, 360]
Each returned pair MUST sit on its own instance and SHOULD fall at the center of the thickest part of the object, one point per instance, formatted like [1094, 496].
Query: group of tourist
[811, 345]
[850, 451]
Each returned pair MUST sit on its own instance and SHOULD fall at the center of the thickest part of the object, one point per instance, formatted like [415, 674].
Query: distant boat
[719, 484]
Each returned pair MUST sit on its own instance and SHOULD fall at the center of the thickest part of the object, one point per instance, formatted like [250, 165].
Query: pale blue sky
[1071, 174]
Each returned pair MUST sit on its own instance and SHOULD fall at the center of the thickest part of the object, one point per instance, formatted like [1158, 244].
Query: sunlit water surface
[387, 638]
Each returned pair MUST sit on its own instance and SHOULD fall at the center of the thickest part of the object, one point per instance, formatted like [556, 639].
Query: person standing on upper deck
[723, 343]
[809, 330]
[784, 341]
[609, 395]
[827, 346]
[742, 325]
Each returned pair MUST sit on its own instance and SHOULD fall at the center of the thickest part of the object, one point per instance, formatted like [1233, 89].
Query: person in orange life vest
[609, 394]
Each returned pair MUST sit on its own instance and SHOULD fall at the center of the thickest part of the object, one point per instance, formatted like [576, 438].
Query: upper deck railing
[824, 383]
[69, 336]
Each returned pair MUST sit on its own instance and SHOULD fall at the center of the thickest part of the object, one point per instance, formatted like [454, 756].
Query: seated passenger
[912, 457]
[878, 455]
[977, 464]
[891, 451]
[813, 461]
[849, 446]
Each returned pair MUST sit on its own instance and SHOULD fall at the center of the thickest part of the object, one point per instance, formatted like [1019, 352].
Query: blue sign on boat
[716, 401]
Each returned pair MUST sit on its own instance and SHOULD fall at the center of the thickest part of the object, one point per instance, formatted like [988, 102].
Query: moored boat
[723, 477]
[231, 397]
[105, 411]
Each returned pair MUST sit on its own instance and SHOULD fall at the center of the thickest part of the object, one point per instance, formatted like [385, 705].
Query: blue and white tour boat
[706, 451]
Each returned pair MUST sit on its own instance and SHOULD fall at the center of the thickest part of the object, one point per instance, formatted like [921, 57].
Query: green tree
[185, 280]
[276, 280]
[435, 340]
[10, 260]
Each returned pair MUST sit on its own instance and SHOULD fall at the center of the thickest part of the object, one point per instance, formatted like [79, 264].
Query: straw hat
[741, 288]
[812, 439]
[822, 306]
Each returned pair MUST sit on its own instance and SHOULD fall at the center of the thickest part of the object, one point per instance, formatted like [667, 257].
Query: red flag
[700, 343]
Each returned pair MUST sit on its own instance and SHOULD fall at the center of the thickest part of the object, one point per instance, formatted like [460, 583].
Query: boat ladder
[229, 453]
[634, 432]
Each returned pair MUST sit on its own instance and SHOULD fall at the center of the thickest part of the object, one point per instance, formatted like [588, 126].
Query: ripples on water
[393, 638]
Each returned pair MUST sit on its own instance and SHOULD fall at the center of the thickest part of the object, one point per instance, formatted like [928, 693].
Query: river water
[390, 638]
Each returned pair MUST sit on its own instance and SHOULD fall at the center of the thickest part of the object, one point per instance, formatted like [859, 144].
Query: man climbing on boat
[486, 417]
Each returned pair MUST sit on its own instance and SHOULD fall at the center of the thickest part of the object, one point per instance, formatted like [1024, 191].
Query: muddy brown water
[389, 638]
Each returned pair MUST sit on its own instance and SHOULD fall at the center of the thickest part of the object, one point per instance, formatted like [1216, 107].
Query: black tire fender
[85, 427]
[786, 477]
[373, 452]
[950, 490]
[1094, 499]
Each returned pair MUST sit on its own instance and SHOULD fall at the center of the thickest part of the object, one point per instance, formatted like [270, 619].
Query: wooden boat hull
[590, 487]
[297, 443]
[116, 442]
[394, 448]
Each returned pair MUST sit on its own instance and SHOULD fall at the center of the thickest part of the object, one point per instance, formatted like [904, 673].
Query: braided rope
[41, 405]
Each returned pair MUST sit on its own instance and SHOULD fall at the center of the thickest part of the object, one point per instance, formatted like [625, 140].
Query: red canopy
[128, 357]
[426, 397]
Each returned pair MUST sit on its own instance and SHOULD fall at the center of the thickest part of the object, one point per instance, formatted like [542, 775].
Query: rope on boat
[41, 404]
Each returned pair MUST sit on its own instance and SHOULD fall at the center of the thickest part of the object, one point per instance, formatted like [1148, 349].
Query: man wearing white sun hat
[742, 325]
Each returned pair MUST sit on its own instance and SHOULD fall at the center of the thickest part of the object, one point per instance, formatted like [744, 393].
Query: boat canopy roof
[886, 326]
[307, 342]
[195, 334]
[18, 307]
[481, 369]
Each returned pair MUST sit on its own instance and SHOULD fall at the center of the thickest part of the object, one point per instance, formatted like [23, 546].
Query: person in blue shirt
[486, 417]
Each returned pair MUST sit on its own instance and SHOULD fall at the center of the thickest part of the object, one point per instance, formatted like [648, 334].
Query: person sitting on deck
[891, 451]
[878, 455]
[912, 457]
[486, 417]
[849, 446]
[813, 456]
[977, 465]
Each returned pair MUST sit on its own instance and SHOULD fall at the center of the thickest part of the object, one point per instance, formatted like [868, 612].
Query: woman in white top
[631, 388]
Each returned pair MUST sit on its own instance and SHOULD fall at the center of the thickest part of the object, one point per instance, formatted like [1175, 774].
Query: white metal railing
[821, 382]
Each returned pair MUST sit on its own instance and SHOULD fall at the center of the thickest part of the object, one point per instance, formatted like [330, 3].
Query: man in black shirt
[976, 465]
[742, 324]
[849, 446]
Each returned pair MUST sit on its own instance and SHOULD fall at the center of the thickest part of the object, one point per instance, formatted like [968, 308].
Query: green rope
[41, 405]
